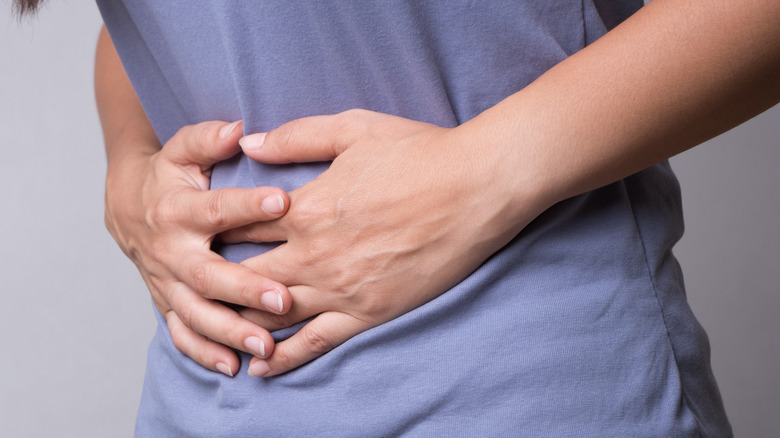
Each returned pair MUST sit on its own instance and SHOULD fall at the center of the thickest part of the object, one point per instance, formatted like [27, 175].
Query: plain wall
[76, 319]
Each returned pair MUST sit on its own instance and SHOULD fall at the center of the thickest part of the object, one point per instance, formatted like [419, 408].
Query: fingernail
[272, 301]
[224, 369]
[227, 129]
[259, 369]
[252, 141]
[273, 204]
[255, 346]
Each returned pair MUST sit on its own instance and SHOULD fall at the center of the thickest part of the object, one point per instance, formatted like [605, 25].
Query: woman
[504, 267]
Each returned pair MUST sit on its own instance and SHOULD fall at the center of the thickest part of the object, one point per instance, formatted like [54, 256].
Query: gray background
[75, 317]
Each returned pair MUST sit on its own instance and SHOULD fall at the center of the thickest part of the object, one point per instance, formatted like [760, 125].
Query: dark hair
[24, 7]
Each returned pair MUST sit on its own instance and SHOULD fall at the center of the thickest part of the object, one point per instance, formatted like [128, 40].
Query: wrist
[511, 156]
[128, 153]
[509, 189]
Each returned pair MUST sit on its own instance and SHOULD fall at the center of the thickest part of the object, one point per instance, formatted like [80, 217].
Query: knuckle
[186, 313]
[161, 215]
[201, 275]
[247, 294]
[215, 209]
[310, 214]
[315, 341]
[202, 135]
[282, 137]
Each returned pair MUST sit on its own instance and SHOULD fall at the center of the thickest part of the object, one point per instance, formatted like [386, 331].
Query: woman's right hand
[160, 211]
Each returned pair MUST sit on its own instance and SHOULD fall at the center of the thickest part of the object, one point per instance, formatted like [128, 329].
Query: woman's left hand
[405, 211]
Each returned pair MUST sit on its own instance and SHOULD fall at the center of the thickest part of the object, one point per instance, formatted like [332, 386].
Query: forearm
[674, 75]
[129, 139]
[126, 130]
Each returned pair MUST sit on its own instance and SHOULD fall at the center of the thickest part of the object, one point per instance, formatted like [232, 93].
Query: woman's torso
[578, 327]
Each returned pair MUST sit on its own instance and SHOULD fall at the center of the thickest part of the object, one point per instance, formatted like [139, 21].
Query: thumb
[316, 138]
[204, 144]
[322, 334]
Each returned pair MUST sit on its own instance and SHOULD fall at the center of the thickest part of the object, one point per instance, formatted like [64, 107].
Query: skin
[162, 215]
[394, 222]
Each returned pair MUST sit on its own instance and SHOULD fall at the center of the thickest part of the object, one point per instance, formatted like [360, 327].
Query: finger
[278, 230]
[319, 336]
[218, 323]
[258, 232]
[215, 211]
[307, 302]
[316, 138]
[204, 144]
[211, 276]
[281, 264]
[208, 354]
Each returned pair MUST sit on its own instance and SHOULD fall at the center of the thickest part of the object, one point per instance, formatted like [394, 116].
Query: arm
[672, 76]
[162, 215]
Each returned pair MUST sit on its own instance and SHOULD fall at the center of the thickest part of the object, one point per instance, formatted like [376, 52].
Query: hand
[405, 211]
[162, 214]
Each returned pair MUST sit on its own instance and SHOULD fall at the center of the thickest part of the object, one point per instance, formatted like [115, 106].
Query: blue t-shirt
[578, 327]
